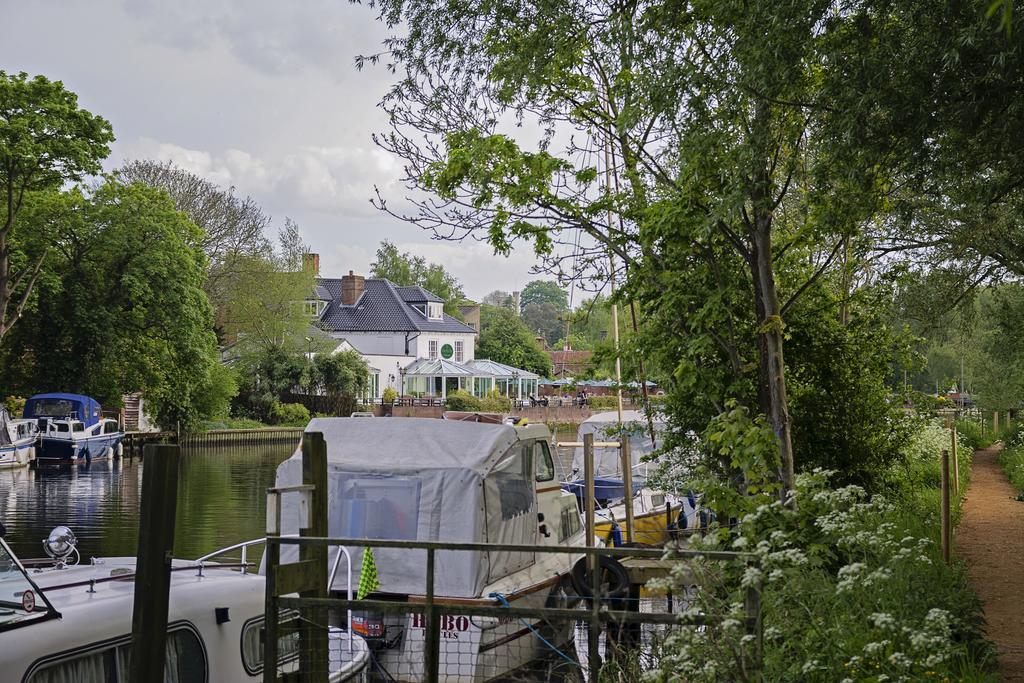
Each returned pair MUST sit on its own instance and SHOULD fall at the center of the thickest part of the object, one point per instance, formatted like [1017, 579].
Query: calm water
[221, 501]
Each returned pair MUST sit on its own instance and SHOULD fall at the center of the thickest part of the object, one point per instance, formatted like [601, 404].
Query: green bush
[15, 405]
[233, 423]
[292, 414]
[972, 436]
[1012, 461]
[463, 400]
[603, 402]
[854, 587]
[495, 402]
[389, 395]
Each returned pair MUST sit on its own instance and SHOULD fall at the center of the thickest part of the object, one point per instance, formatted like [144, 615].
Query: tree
[544, 291]
[505, 339]
[46, 140]
[741, 157]
[543, 318]
[341, 378]
[406, 269]
[121, 307]
[233, 227]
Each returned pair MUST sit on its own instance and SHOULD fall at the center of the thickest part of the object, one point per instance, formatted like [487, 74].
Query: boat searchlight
[60, 544]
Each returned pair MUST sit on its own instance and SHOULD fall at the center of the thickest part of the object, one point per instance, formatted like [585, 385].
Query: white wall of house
[422, 349]
[390, 370]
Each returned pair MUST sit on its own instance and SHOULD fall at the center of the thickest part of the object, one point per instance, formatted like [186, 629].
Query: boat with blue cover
[72, 429]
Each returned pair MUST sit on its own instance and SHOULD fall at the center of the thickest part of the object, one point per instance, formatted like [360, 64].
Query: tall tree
[504, 338]
[404, 268]
[121, 308]
[233, 227]
[544, 291]
[46, 140]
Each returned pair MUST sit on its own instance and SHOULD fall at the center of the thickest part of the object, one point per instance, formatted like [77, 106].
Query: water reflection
[221, 500]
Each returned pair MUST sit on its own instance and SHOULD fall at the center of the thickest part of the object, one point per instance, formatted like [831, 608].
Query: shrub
[854, 586]
[603, 402]
[389, 395]
[294, 414]
[1012, 461]
[463, 400]
[494, 402]
[15, 405]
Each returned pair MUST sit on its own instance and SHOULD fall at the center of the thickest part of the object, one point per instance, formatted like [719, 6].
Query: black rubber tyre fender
[610, 568]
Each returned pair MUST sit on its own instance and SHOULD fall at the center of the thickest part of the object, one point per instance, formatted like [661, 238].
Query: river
[221, 501]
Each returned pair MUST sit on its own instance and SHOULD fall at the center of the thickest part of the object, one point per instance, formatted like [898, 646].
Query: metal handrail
[330, 582]
[244, 545]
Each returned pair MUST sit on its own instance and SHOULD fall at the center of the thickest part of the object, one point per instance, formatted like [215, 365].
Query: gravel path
[991, 539]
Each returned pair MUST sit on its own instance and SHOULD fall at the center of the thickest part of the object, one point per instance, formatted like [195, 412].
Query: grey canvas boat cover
[427, 480]
[605, 427]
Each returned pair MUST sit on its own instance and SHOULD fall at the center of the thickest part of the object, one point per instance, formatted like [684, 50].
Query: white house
[407, 339]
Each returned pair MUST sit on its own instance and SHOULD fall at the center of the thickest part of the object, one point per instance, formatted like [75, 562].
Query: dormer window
[435, 311]
[314, 308]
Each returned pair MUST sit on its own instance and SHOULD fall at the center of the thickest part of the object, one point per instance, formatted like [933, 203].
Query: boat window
[186, 662]
[542, 459]
[252, 642]
[77, 427]
[511, 510]
[378, 506]
[110, 428]
[62, 427]
[569, 524]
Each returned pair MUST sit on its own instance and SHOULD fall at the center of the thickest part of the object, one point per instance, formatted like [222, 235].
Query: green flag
[367, 576]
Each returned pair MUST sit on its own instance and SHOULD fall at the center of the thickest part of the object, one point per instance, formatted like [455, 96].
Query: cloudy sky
[256, 94]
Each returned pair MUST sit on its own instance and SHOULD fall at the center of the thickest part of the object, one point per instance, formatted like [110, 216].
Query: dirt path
[991, 539]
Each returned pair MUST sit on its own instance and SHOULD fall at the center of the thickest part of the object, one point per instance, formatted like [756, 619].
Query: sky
[263, 96]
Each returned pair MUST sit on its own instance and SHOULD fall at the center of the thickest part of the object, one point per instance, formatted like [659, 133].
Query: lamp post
[515, 381]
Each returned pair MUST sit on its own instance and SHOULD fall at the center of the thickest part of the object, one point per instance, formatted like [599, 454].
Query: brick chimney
[311, 262]
[351, 288]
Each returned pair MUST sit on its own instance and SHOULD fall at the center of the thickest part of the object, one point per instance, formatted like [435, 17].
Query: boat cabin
[63, 407]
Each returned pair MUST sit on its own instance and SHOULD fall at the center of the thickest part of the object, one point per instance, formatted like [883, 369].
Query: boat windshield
[21, 601]
[51, 407]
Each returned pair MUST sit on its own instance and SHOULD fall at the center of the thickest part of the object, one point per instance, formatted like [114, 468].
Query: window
[432, 349]
[77, 427]
[111, 663]
[542, 459]
[314, 307]
[252, 642]
[458, 350]
[569, 524]
[435, 311]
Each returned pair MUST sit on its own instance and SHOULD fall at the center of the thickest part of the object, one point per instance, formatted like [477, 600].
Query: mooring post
[153, 562]
[625, 451]
[313, 658]
[946, 530]
[594, 630]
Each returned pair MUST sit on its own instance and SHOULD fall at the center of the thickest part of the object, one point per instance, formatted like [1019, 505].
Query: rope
[501, 598]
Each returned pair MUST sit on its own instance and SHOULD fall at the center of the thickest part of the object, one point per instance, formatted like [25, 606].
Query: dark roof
[416, 294]
[322, 293]
[382, 308]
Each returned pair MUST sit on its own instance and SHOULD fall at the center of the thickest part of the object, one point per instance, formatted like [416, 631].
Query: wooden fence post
[432, 637]
[944, 513]
[594, 627]
[313, 658]
[956, 462]
[627, 481]
[153, 562]
[995, 423]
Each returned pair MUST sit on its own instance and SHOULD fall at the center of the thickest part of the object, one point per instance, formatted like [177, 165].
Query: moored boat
[419, 479]
[72, 429]
[17, 441]
[62, 621]
[658, 516]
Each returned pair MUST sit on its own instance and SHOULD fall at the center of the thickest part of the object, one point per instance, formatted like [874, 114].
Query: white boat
[17, 441]
[62, 622]
[424, 479]
[657, 515]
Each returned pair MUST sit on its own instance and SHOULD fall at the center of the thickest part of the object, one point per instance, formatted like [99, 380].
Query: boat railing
[245, 545]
